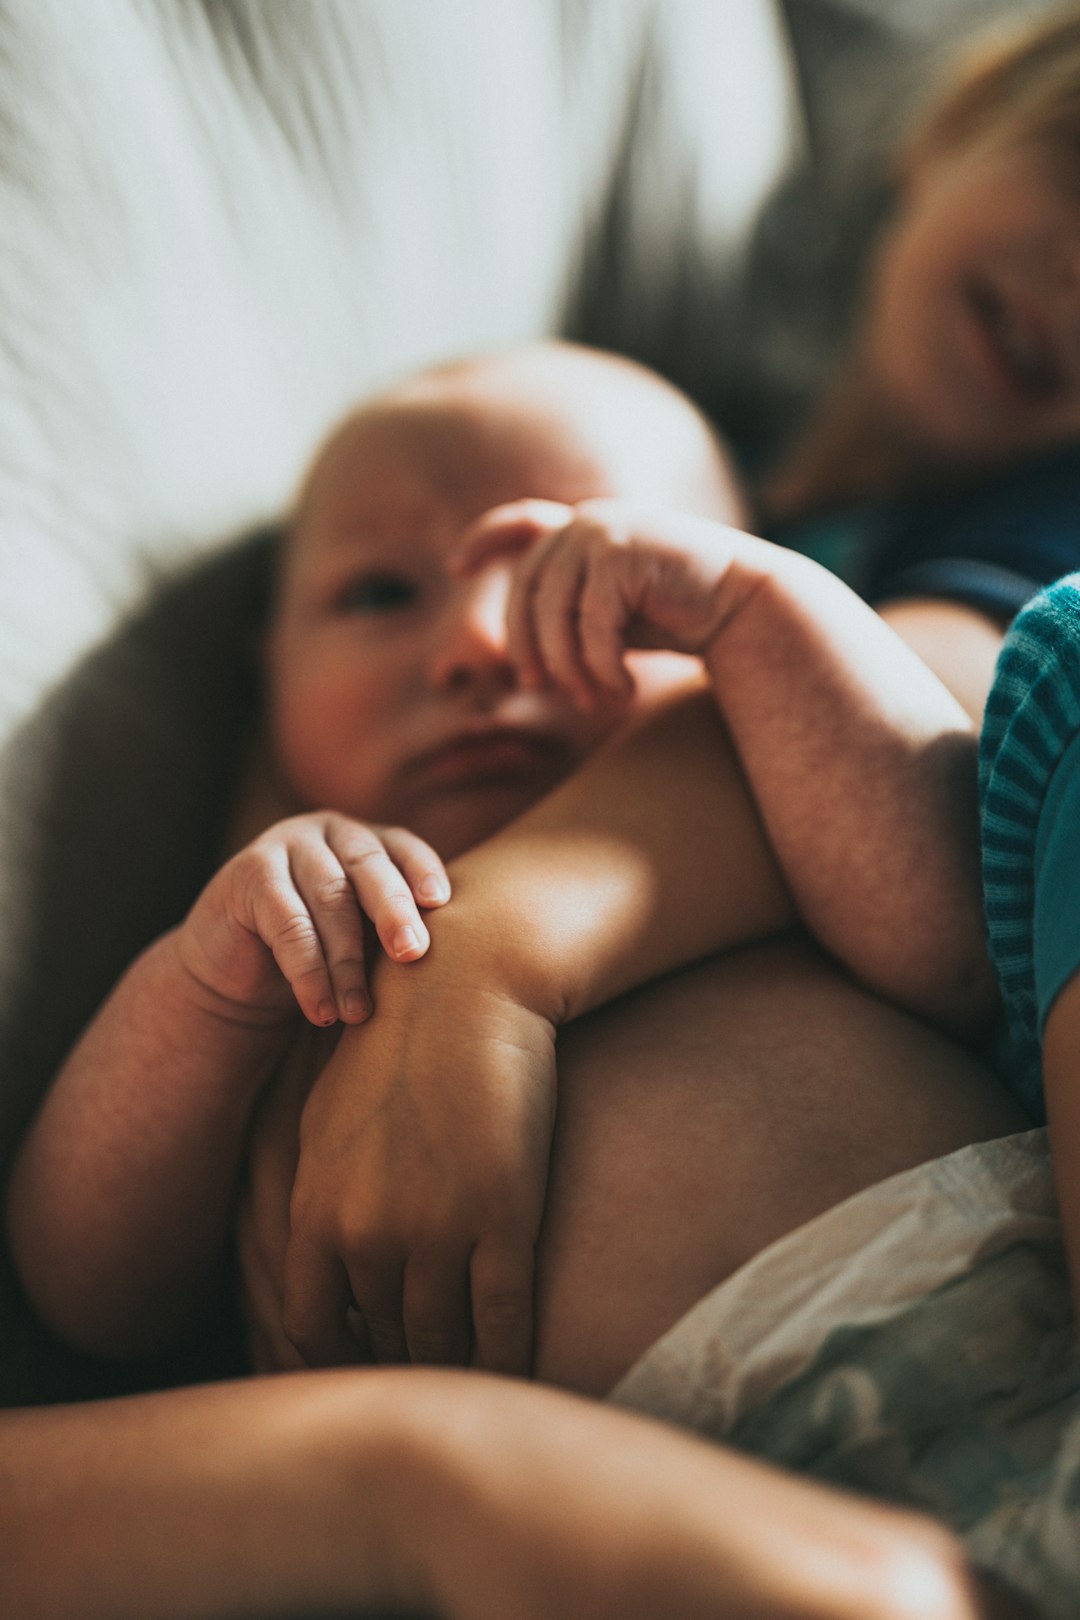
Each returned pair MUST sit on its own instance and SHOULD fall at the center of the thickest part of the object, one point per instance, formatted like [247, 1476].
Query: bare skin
[617, 1110]
[278, 1496]
[699, 1121]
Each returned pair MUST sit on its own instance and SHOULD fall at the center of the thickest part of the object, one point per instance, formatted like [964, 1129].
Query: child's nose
[472, 644]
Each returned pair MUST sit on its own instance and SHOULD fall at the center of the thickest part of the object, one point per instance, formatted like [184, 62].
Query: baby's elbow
[94, 1328]
[91, 1318]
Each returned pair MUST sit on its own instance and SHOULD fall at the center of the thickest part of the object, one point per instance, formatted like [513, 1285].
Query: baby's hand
[597, 579]
[282, 924]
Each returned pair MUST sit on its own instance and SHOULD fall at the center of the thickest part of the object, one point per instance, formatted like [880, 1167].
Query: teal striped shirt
[1030, 794]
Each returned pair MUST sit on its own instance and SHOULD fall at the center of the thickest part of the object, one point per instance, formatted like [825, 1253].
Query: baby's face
[973, 329]
[392, 697]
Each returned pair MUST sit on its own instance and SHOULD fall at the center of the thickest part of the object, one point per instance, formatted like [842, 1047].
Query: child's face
[392, 697]
[973, 331]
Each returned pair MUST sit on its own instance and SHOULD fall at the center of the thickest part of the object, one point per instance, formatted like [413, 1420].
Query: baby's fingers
[602, 621]
[389, 871]
[507, 531]
[326, 885]
[283, 920]
[554, 592]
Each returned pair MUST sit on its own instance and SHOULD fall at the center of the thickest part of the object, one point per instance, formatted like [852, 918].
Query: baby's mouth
[1020, 348]
[493, 755]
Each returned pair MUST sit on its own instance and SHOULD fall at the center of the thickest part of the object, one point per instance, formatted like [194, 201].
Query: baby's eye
[379, 591]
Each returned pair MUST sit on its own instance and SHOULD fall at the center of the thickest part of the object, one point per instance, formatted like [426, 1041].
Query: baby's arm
[119, 1206]
[862, 764]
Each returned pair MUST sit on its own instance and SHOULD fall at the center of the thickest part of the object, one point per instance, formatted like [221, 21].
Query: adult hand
[420, 1186]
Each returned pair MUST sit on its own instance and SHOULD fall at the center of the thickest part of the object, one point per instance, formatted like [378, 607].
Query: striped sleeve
[1032, 716]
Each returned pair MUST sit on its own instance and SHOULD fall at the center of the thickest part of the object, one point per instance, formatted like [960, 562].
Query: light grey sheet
[915, 1343]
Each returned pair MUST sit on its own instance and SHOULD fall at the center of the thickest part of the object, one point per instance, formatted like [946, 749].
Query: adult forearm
[271, 1497]
[650, 857]
[119, 1206]
[304, 1494]
[545, 1505]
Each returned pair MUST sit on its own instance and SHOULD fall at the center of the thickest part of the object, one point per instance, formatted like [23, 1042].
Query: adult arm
[281, 1496]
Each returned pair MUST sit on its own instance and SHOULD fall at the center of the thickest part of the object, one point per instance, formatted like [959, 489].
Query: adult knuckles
[435, 1345]
[300, 1331]
[502, 1309]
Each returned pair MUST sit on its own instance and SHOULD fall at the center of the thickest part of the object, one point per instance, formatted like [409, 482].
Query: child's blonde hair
[1018, 86]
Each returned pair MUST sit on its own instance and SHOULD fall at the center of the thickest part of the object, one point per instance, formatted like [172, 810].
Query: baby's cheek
[308, 750]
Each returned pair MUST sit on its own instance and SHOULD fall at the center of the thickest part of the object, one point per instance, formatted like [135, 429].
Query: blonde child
[942, 467]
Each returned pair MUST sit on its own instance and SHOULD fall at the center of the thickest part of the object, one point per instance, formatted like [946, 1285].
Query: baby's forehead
[453, 448]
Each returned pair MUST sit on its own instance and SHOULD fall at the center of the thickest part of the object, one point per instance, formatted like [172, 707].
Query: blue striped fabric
[1032, 715]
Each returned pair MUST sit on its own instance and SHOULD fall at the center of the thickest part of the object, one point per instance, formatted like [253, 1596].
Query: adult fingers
[435, 1308]
[317, 1297]
[376, 1298]
[502, 1280]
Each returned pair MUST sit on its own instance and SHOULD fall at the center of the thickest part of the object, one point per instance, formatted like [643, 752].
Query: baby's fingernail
[433, 888]
[326, 1012]
[406, 942]
[357, 1004]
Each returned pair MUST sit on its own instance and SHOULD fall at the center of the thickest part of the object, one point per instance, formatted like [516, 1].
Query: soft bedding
[915, 1343]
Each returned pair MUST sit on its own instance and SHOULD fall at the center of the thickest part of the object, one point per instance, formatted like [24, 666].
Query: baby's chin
[458, 822]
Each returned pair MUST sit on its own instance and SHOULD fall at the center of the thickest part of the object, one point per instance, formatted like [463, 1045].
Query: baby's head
[391, 695]
[972, 328]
